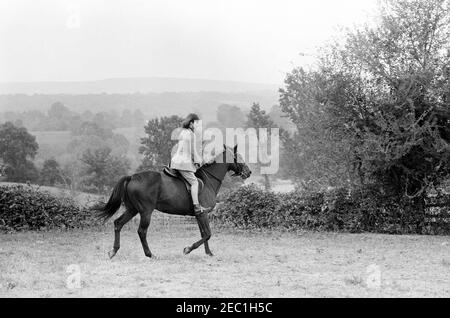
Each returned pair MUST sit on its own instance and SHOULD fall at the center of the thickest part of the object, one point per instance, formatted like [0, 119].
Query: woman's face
[195, 124]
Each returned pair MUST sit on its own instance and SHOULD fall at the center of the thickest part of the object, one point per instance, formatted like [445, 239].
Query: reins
[205, 170]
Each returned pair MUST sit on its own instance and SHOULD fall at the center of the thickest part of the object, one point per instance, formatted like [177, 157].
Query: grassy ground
[247, 264]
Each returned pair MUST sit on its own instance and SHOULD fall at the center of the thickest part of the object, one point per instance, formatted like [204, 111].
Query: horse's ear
[235, 148]
[224, 147]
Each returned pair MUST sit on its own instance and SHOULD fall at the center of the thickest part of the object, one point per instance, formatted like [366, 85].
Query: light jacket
[185, 154]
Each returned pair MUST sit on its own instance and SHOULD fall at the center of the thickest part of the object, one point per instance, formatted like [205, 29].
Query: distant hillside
[132, 85]
[152, 104]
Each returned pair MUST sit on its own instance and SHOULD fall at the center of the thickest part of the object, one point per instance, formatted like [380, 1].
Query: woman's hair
[189, 119]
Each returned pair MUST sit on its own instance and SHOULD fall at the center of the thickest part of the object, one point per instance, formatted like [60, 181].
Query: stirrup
[201, 210]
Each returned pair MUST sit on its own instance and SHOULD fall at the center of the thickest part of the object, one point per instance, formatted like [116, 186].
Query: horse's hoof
[111, 254]
[210, 254]
[187, 250]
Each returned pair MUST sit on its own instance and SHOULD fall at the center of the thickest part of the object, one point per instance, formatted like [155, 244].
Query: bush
[249, 206]
[26, 208]
[363, 210]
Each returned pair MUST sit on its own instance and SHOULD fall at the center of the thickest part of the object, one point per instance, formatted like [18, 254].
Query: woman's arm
[195, 148]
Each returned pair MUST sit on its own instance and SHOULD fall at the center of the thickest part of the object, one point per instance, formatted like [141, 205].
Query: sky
[239, 40]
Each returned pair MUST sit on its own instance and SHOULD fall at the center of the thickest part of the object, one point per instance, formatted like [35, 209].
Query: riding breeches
[192, 179]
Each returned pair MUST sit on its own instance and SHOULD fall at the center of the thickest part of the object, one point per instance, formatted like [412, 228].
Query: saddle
[175, 174]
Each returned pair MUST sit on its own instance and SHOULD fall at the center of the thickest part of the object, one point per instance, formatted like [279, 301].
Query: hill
[141, 85]
[151, 104]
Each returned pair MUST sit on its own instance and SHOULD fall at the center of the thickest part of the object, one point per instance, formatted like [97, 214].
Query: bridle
[236, 174]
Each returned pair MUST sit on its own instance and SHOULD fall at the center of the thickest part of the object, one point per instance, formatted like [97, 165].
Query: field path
[247, 264]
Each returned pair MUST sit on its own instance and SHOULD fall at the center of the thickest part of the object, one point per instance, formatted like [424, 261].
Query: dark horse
[146, 191]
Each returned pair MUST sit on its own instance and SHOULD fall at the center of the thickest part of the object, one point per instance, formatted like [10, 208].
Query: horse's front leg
[207, 250]
[205, 231]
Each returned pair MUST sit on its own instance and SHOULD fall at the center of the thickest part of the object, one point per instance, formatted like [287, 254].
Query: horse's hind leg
[142, 231]
[118, 225]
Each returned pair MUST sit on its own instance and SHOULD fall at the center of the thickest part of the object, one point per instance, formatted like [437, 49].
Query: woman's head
[190, 119]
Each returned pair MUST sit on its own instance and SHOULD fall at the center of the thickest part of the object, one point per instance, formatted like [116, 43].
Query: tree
[59, 118]
[59, 111]
[89, 138]
[91, 128]
[51, 173]
[138, 118]
[229, 116]
[90, 135]
[319, 153]
[104, 120]
[258, 118]
[17, 147]
[102, 169]
[157, 146]
[376, 110]
[280, 119]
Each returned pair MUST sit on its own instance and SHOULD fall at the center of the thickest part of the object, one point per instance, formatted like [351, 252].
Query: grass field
[246, 264]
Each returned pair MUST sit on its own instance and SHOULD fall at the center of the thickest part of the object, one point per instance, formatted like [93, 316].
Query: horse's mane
[226, 149]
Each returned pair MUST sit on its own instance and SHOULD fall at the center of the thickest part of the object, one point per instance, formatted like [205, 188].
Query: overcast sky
[241, 40]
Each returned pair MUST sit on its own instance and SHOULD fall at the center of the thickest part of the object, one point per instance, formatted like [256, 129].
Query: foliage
[247, 207]
[91, 156]
[258, 118]
[92, 128]
[61, 118]
[94, 138]
[158, 145]
[229, 116]
[365, 209]
[102, 170]
[27, 208]
[51, 173]
[376, 109]
[17, 146]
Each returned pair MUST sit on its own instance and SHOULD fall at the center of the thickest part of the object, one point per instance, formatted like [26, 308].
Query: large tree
[377, 107]
[229, 116]
[102, 170]
[17, 149]
[157, 146]
[258, 118]
[51, 173]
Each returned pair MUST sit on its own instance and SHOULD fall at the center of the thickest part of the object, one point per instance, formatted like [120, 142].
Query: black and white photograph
[198, 150]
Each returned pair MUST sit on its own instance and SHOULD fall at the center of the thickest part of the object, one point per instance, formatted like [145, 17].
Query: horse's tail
[106, 211]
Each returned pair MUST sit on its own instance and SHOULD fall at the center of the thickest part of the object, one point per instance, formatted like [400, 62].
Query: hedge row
[364, 210]
[27, 208]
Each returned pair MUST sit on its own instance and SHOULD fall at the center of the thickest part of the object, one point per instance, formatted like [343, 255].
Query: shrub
[248, 206]
[27, 208]
[363, 210]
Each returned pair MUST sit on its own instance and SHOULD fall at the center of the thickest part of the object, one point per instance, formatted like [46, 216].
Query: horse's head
[237, 164]
[229, 160]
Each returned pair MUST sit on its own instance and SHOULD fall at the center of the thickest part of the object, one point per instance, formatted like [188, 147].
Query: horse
[149, 190]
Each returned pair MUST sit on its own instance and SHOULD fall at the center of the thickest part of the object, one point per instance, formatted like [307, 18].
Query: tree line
[60, 118]
[95, 157]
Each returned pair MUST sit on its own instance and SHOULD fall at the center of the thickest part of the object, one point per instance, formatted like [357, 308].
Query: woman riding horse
[187, 158]
[149, 190]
